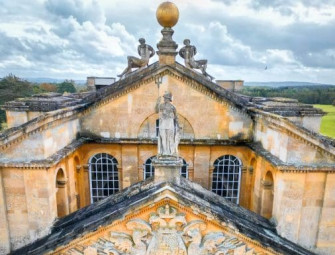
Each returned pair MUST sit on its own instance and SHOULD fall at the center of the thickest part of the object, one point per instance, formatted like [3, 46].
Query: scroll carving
[166, 233]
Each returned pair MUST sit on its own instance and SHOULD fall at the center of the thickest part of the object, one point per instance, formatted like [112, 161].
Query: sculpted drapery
[168, 138]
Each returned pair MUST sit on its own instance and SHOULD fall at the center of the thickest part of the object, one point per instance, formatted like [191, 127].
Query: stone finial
[167, 16]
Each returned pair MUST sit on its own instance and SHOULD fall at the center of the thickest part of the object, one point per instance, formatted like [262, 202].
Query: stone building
[76, 172]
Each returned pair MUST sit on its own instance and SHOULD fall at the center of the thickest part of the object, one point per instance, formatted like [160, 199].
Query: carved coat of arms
[167, 233]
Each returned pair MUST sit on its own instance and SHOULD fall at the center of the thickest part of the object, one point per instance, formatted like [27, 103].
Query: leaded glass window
[227, 177]
[104, 176]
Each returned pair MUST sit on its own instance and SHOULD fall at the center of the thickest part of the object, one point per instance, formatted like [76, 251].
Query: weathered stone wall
[4, 233]
[326, 235]
[310, 122]
[40, 145]
[288, 146]
[272, 139]
[304, 211]
[28, 193]
[122, 117]
[17, 118]
[17, 211]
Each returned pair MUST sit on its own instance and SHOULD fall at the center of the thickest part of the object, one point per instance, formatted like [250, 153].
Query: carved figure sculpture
[187, 53]
[145, 51]
[169, 128]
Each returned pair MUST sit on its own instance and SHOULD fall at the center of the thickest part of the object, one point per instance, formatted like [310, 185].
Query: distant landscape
[328, 121]
[247, 83]
[53, 80]
[313, 94]
[284, 84]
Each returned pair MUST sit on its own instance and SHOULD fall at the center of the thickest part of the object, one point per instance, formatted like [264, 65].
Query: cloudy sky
[254, 40]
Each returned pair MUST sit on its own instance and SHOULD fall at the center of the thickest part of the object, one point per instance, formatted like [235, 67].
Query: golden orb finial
[167, 14]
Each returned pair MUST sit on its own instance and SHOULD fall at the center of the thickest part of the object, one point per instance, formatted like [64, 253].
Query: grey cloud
[257, 4]
[302, 39]
[90, 11]
[323, 59]
[32, 50]
[9, 46]
[83, 35]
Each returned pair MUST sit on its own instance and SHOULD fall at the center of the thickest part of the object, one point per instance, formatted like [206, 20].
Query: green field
[328, 121]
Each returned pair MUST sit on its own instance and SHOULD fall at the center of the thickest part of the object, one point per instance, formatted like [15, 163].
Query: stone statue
[188, 52]
[169, 128]
[145, 51]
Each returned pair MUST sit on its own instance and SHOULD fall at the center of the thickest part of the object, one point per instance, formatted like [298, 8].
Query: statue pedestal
[167, 47]
[167, 168]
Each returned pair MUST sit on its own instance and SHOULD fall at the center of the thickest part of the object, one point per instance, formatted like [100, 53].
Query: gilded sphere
[167, 14]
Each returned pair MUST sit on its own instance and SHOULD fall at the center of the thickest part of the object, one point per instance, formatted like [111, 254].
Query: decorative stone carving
[145, 51]
[166, 233]
[187, 53]
[169, 129]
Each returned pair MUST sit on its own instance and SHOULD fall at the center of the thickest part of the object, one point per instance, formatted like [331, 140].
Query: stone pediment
[189, 76]
[165, 232]
[163, 218]
[51, 102]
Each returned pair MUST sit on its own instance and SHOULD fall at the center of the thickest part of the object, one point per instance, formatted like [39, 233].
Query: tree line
[13, 87]
[309, 94]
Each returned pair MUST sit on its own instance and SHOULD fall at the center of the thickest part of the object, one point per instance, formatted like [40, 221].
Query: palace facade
[76, 171]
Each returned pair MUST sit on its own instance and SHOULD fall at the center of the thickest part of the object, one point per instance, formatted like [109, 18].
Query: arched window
[227, 177]
[184, 170]
[149, 169]
[104, 176]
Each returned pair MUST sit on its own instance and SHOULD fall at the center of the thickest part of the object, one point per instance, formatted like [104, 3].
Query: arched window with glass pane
[184, 170]
[104, 176]
[227, 177]
[149, 169]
